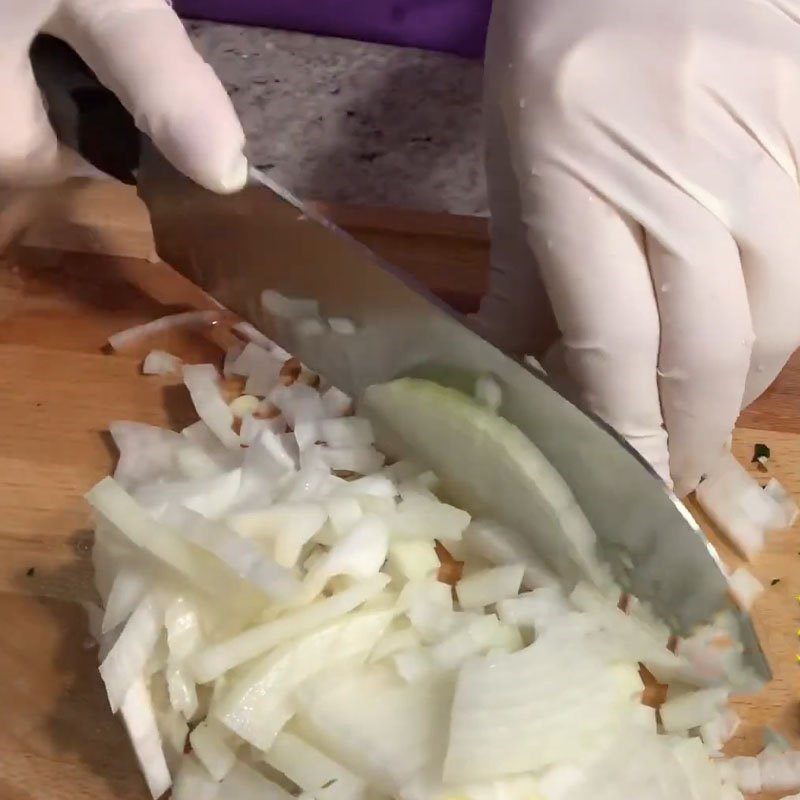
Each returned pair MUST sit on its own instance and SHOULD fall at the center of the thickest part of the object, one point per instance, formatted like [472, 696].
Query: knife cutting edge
[237, 247]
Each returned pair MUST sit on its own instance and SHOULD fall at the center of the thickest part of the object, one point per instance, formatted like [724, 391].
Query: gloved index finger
[596, 274]
[139, 50]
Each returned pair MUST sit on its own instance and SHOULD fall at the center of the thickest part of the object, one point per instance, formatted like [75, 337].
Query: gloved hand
[139, 50]
[644, 189]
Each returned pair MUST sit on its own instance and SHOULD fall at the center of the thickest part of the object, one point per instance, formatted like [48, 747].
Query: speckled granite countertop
[355, 123]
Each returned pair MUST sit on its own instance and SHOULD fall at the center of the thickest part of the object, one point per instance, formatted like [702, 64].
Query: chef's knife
[262, 239]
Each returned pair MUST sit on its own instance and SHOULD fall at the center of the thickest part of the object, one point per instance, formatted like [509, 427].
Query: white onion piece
[489, 586]
[209, 744]
[343, 513]
[193, 782]
[716, 732]
[745, 587]
[231, 356]
[336, 403]
[395, 741]
[429, 606]
[242, 555]
[479, 635]
[159, 362]
[146, 453]
[188, 319]
[184, 634]
[414, 665]
[787, 503]
[534, 708]
[126, 660]
[267, 469]
[779, 772]
[421, 517]
[413, 559]
[209, 664]
[346, 432]
[264, 376]
[371, 485]
[312, 770]
[743, 511]
[361, 460]
[205, 440]
[252, 427]
[251, 703]
[298, 403]
[748, 774]
[692, 709]
[538, 610]
[182, 690]
[202, 382]
[245, 783]
[140, 722]
[300, 521]
[395, 641]
[359, 554]
[204, 571]
[126, 593]
[500, 545]
[211, 496]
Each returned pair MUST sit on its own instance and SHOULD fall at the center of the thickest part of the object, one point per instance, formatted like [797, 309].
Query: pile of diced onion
[285, 614]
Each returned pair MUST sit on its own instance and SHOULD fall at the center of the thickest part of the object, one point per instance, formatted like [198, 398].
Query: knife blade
[238, 247]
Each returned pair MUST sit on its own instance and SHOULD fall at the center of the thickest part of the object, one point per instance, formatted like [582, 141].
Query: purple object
[451, 26]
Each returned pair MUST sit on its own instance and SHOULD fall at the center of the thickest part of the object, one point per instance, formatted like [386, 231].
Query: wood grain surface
[58, 392]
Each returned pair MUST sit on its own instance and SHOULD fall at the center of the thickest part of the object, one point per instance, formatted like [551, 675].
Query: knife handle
[84, 114]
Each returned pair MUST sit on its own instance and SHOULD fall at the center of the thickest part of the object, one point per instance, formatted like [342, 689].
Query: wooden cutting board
[58, 393]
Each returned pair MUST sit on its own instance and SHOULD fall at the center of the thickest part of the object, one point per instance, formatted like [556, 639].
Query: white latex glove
[139, 50]
[643, 178]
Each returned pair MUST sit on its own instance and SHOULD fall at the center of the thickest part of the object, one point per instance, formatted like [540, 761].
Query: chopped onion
[250, 706]
[298, 403]
[126, 660]
[489, 586]
[692, 709]
[193, 782]
[209, 744]
[218, 659]
[501, 545]
[126, 593]
[336, 403]
[312, 770]
[137, 712]
[736, 503]
[202, 382]
[188, 319]
[413, 559]
[158, 362]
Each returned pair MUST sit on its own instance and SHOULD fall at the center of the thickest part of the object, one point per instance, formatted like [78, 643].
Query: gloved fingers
[139, 50]
[767, 231]
[29, 151]
[515, 314]
[594, 267]
[706, 337]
